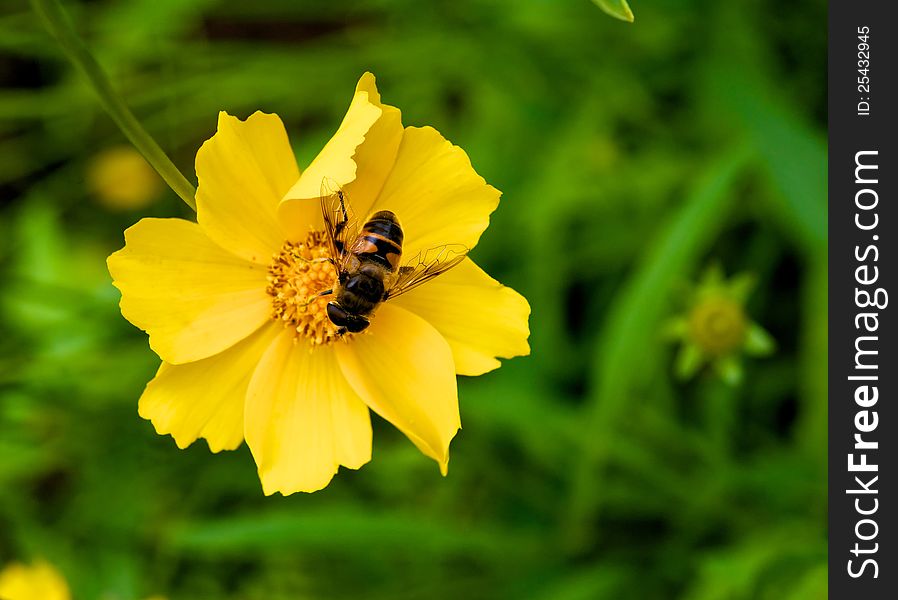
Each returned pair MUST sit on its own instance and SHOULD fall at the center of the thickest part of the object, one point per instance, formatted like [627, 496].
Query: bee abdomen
[385, 223]
[381, 240]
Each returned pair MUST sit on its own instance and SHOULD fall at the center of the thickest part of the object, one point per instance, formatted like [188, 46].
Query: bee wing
[339, 221]
[425, 266]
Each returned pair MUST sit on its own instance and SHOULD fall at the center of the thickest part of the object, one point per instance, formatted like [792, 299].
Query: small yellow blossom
[224, 300]
[38, 581]
[715, 328]
[120, 179]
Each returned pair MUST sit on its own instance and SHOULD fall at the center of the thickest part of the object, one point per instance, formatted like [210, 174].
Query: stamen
[296, 274]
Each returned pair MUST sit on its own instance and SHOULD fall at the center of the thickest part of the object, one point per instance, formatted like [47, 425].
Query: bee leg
[343, 207]
[316, 296]
[316, 260]
[341, 330]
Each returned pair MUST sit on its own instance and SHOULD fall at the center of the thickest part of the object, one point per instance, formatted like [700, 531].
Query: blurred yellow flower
[223, 300]
[38, 581]
[120, 179]
[715, 329]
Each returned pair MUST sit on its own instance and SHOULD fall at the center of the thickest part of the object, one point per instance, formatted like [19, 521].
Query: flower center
[297, 273]
[717, 324]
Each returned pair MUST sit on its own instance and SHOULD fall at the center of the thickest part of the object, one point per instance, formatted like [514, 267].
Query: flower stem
[59, 26]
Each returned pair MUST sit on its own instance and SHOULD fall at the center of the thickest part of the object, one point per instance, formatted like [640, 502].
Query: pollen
[296, 275]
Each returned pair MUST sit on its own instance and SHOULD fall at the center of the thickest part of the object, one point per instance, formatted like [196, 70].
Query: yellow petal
[436, 193]
[39, 581]
[299, 208]
[479, 317]
[302, 418]
[204, 399]
[376, 156]
[244, 171]
[403, 371]
[192, 297]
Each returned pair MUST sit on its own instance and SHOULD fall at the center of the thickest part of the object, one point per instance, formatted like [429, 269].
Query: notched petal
[302, 418]
[192, 297]
[403, 370]
[480, 318]
[436, 193]
[204, 399]
[243, 172]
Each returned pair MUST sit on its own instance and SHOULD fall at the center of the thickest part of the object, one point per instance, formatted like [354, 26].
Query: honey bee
[367, 261]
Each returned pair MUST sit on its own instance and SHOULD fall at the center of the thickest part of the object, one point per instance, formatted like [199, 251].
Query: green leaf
[619, 9]
[688, 362]
[758, 342]
[730, 370]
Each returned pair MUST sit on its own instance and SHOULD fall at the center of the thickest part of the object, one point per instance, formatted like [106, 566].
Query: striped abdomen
[380, 240]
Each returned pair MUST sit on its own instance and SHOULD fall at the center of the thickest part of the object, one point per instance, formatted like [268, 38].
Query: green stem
[57, 23]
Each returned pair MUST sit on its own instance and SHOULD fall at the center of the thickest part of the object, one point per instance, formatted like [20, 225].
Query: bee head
[345, 320]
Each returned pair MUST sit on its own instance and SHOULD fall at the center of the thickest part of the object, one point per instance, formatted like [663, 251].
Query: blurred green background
[634, 154]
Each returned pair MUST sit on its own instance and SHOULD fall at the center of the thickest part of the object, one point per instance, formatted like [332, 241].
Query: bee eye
[336, 314]
[344, 320]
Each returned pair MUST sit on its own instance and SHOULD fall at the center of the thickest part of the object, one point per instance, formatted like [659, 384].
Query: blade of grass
[339, 527]
[631, 326]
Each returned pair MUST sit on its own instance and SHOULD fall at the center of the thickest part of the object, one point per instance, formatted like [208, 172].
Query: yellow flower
[222, 299]
[39, 581]
[715, 330]
[121, 179]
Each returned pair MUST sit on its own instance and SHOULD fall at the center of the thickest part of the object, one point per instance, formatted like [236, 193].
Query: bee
[368, 261]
